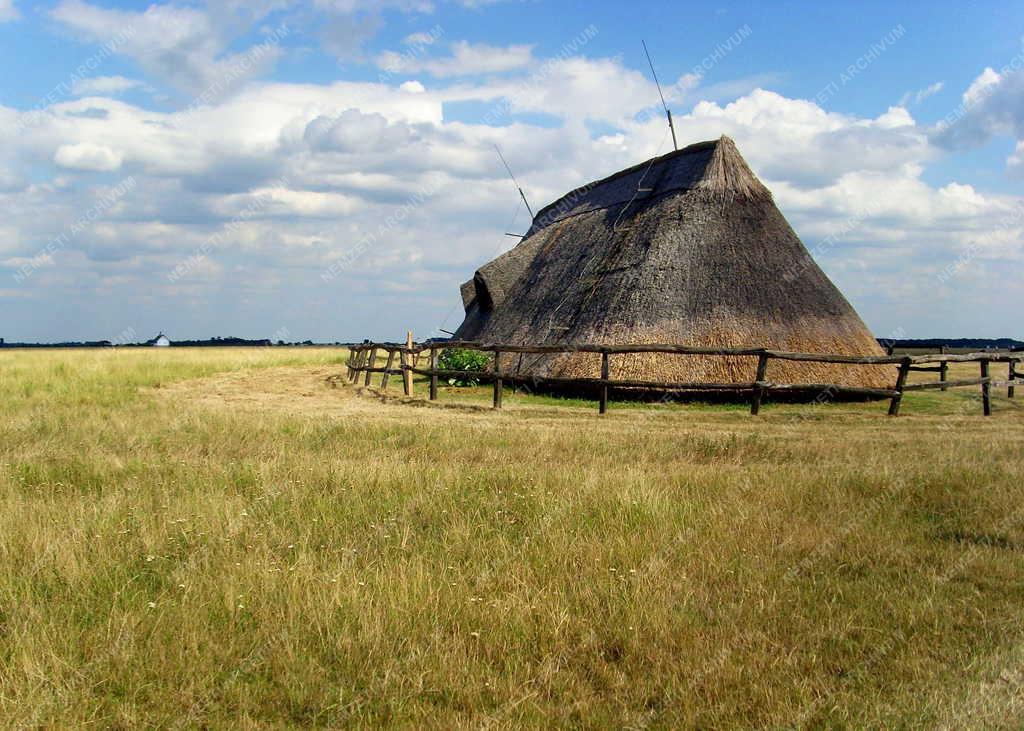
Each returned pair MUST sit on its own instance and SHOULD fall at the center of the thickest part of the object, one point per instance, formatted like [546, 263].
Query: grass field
[240, 538]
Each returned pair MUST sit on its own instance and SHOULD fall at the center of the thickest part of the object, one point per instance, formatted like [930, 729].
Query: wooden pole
[387, 371]
[603, 408]
[433, 374]
[497, 379]
[406, 373]
[901, 381]
[758, 394]
[357, 362]
[407, 386]
[519, 368]
[943, 367]
[370, 364]
[986, 390]
[1012, 375]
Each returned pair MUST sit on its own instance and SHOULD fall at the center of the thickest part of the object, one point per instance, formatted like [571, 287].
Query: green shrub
[460, 359]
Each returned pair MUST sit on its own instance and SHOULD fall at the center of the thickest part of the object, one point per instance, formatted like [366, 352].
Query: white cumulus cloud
[181, 45]
[88, 156]
[104, 86]
[466, 59]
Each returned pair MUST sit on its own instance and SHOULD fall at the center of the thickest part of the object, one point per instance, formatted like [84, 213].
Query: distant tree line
[209, 342]
[969, 343]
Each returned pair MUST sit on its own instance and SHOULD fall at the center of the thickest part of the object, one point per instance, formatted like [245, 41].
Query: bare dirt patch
[312, 391]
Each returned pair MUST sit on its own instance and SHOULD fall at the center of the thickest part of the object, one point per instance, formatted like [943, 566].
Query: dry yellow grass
[235, 537]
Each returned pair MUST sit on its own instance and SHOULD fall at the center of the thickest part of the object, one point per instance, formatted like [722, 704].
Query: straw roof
[685, 248]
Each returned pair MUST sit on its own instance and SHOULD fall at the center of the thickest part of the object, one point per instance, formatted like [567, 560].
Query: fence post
[943, 368]
[901, 381]
[370, 364]
[403, 364]
[357, 362]
[363, 363]
[755, 398]
[406, 360]
[603, 408]
[433, 374]
[986, 389]
[387, 370]
[497, 379]
[1012, 375]
[348, 363]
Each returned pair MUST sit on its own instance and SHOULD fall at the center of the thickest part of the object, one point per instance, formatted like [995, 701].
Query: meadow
[218, 537]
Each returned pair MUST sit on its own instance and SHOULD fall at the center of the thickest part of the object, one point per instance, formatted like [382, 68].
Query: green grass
[220, 537]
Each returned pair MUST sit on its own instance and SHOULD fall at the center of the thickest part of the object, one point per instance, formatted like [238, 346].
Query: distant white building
[160, 341]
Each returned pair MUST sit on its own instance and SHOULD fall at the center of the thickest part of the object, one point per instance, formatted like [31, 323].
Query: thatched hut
[686, 248]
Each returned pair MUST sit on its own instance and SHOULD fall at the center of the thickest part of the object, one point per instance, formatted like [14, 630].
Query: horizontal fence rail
[363, 358]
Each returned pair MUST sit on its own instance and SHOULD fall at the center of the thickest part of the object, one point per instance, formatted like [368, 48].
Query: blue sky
[325, 170]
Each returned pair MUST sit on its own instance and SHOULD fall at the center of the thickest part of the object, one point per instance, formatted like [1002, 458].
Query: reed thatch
[686, 248]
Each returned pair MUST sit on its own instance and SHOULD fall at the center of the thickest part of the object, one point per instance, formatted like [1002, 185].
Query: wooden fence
[363, 359]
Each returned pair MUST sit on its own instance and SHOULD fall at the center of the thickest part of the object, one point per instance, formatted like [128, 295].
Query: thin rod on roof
[521, 193]
[663, 104]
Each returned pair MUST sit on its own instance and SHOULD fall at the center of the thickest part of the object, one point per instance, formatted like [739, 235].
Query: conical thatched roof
[686, 248]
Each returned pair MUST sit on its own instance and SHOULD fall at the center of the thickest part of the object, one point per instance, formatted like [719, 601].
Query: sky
[326, 170]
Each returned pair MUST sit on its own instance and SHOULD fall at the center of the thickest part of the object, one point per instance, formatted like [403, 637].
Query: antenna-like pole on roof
[521, 193]
[667, 112]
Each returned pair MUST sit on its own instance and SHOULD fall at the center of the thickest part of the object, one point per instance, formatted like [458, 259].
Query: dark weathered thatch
[685, 248]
